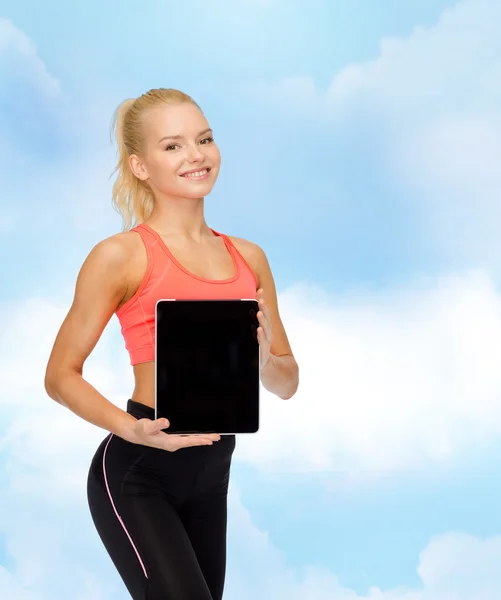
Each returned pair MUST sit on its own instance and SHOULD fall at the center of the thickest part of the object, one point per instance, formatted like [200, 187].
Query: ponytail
[131, 197]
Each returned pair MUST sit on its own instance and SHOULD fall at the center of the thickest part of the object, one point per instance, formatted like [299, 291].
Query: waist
[140, 410]
[144, 383]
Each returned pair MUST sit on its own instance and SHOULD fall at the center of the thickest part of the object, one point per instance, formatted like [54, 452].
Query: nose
[194, 153]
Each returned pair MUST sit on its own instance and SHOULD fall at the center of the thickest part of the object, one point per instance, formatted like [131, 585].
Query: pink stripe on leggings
[116, 512]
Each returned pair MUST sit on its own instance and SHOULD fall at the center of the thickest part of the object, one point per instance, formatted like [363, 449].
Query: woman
[159, 500]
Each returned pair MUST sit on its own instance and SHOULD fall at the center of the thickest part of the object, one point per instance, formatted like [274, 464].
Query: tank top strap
[239, 256]
[151, 247]
[229, 244]
[147, 236]
[225, 237]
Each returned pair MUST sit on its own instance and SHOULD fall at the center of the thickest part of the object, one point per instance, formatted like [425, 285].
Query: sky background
[361, 148]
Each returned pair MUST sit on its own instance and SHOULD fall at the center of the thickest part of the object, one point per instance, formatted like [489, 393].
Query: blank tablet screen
[207, 365]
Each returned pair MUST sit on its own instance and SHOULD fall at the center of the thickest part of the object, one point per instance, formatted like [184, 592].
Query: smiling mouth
[197, 174]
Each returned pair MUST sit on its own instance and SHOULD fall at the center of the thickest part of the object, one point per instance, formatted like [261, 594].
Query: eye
[209, 140]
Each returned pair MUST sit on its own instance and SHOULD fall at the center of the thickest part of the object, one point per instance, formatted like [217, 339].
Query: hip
[134, 468]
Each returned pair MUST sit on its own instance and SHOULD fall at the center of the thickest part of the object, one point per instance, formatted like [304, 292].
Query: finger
[199, 441]
[265, 325]
[262, 318]
[186, 442]
[174, 442]
[262, 339]
[215, 437]
[156, 426]
[207, 436]
[266, 311]
[269, 330]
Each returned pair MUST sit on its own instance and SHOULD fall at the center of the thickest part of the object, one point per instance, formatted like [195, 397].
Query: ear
[138, 167]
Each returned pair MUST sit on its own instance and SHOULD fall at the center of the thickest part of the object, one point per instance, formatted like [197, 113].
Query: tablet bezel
[254, 300]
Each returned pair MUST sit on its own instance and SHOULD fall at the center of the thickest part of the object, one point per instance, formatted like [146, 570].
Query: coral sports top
[165, 277]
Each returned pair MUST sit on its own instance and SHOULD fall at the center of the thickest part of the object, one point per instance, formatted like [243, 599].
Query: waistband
[140, 410]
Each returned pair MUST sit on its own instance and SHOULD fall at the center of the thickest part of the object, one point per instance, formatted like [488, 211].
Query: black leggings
[162, 515]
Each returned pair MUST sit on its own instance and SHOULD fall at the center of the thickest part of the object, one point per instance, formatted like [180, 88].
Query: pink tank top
[165, 277]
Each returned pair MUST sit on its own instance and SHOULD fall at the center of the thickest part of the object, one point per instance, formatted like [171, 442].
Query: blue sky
[360, 148]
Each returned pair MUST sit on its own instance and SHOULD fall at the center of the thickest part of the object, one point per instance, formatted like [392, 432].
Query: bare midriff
[144, 383]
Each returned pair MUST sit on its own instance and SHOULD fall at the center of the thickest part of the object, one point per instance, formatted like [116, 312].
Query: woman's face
[178, 139]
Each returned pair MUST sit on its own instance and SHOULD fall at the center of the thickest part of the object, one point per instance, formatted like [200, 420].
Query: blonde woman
[159, 500]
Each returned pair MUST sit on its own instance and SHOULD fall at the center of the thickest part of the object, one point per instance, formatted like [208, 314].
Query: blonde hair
[131, 197]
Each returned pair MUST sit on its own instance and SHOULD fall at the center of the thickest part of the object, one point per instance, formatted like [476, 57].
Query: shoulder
[253, 254]
[248, 249]
[114, 251]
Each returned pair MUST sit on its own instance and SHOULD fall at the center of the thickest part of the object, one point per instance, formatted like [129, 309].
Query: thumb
[152, 427]
[160, 424]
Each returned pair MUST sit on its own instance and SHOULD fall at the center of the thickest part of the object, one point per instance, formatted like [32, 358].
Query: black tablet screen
[207, 365]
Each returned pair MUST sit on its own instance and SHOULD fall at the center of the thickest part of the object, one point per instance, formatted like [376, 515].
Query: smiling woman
[159, 500]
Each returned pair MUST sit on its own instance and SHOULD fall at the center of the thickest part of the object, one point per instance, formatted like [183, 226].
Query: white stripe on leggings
[116, 512]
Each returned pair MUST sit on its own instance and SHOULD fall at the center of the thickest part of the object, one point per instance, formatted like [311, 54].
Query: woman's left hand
[264, 333]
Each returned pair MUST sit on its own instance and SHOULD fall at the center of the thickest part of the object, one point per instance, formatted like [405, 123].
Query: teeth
[196, 174]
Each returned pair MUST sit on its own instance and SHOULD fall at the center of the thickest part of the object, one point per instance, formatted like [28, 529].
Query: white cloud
[10, 588]
[40, 119]
[416, 77]
[19, 56]
[434, 101]
[457, 566]
[31, 115]
[453, 566]
[389, 380]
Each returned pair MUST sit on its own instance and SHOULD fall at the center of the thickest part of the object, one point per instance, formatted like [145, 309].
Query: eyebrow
[179, 137]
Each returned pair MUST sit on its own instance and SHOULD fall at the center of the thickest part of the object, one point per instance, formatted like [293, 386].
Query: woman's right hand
[148, 432]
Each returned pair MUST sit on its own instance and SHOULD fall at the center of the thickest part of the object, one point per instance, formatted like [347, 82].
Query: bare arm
[280, 376]
[100, 286]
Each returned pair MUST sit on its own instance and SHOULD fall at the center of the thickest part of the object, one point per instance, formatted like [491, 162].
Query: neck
[180, 217]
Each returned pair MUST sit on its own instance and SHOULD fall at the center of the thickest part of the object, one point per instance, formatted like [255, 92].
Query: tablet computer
[207, 365]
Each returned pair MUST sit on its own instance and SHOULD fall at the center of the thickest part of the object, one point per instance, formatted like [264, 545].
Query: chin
[196, 191]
